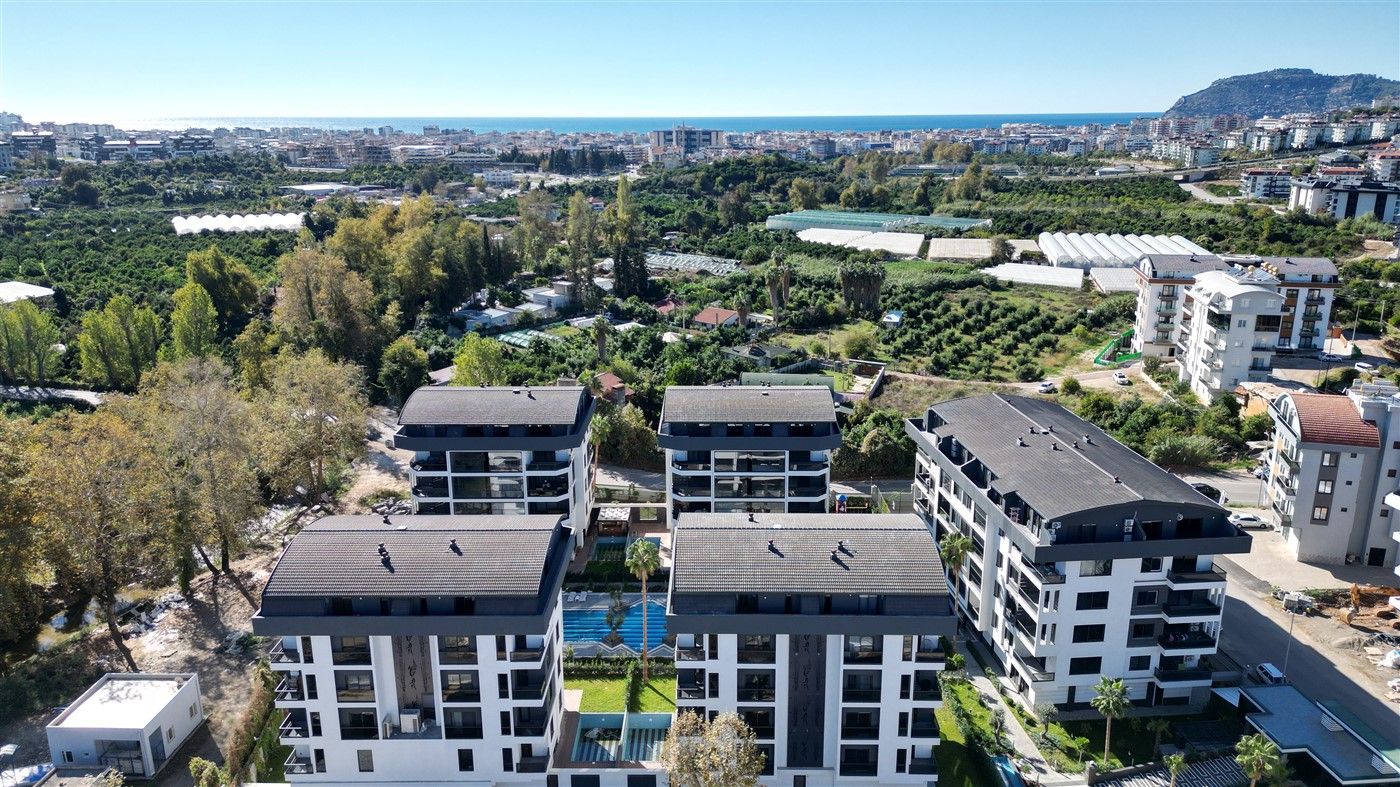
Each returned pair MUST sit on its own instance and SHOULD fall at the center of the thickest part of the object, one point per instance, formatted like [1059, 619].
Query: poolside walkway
[1032, 766]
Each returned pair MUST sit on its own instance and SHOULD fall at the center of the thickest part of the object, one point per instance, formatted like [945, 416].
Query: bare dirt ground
[382, 468]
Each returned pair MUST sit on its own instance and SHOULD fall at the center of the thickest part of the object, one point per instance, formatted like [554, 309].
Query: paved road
[31, 394]
[1205, 196]
[1255, 632]
[1238, 485]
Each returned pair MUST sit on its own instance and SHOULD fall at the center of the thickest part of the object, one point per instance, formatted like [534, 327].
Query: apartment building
[1345, 200]
[1230, 327]
[686, 138]
[824, 632]
[1385, 165]
[748, 448]
[1162, 280]
[480, 451]
[1087, 559]
[1265, 183]
[418, 649]
[1309, 288]
[1333, 461]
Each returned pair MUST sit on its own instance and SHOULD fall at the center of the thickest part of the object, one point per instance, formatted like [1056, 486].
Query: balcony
[690, 692]
[527, 654]
[860, 732]
[532, 765]
[1191, 609]
[807, 466]
[1045, 573]
[1195, 577]
[298, 764]
[279, 653]
[530, 730]
[755, 656]
[463, 694]
[546, 465]
[1168, 675]
[859, 768]
[1186, 640]
[358, 732]
[463, 731]
[528, 691]
[451, 655]
[690, 654]
[923, 766]
[852, 694]
[864, 656]
[354, 695]
[756, 694]
[291, 727]
[929, 730]
[354, 656]
[1314, 300]
[691, 490]
[289, 689]
[929, 655]
[691, 466]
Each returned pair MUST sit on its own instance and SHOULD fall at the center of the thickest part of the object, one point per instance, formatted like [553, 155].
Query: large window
[1095, 568]
[1320, 513]
[1324, 487]
[1086, 665]
[1096, 600]
[1089, 633]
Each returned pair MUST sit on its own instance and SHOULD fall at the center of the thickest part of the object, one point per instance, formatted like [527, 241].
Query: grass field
[609, 695]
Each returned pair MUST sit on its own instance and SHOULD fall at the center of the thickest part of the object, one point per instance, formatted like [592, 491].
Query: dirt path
[381, 468]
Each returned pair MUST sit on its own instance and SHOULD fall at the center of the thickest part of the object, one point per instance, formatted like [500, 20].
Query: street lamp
[1288, 648]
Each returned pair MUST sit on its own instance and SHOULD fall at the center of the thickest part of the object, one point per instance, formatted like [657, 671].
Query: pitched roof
[714, 315]
[735, 404]
[339, 556]
[449, 404]
[1164, 265]
[1055, 483]
[1333, 420]
[891, 554]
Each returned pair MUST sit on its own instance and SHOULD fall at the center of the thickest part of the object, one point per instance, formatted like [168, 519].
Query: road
[1205, 196]
[25, 393]
[1254, 632]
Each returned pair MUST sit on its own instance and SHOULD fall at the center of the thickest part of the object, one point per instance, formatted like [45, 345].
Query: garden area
[616, 685]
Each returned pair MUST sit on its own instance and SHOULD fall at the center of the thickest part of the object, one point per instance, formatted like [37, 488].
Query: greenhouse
[869, 222]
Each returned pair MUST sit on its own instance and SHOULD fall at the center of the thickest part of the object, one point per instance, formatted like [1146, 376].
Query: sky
[108, 61]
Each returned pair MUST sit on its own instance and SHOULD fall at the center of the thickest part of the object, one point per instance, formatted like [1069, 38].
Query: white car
[1362, 366]
[1046, 387]
[1121, 378]
[1333, 357]
[1247, 521]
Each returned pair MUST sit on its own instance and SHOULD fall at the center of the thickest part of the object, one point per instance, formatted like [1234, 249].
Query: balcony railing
[762, 731]
[804, 466]
[461, 695]
[354, 695]
[860, 732]
[533, 691]
[693, 692]
[759, 694]
[1192, 577]
[1186, 640]
[1169, 675]
[289, 690]
[463, 731]
[690, 654]
[864, 656]
[860, 695]
[532, 764]
[859, 768]
[355, 656]
[279, 653]
[679, 465]
[933, 694]
[926, 730]
[457, 655]
[929, 656]
[358, 732]
[526, 654]
[1190, 609]
[298, 764]
[755, 656]
[923, 766]
[291, 729]
[550, 464]
[531, 730]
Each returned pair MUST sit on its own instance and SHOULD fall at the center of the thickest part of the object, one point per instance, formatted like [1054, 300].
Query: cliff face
[1283, 90]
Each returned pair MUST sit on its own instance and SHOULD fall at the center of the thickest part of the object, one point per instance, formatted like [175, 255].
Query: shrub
[956, 661]
[861, 342]
[1071, 386]
[1151, 364]
[634, 685]
[1185, 451]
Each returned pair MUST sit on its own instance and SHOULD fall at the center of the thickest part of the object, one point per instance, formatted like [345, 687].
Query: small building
[132, 723]
[892, 319]
[1323, 743]
[762, 355]
[712, 317]
[612, 388]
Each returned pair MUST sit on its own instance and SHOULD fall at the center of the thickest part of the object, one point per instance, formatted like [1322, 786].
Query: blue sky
[122, 60]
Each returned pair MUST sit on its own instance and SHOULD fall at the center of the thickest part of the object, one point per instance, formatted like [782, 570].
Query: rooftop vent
[751, 519]
[383, 551]
[452, 545]
[1021, 441]
[1054, 446]
[1088, 440]
[387, 522]
[1117, 480]
[765, 392]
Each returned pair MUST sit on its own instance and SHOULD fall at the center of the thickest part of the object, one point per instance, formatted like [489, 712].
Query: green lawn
[958, 766]
[609, 695]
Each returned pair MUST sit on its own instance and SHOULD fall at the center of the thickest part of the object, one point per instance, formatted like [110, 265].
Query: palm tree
[1111, 700]
[1158, 727]
[601, 329]
[1256, 755]
[741, 305]
[954, 548]
[643, 560]
[1176, 765]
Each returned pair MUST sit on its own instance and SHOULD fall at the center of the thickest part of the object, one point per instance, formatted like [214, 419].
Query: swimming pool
[589, 625]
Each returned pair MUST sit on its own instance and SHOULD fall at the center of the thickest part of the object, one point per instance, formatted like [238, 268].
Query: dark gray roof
[1164, 265]
[747, 404]
[447, 404]
[1055, 483]
[339, 556]
[889, 554]
[1300, 265]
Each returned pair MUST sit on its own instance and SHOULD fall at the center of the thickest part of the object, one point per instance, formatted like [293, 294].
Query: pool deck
[564, 748]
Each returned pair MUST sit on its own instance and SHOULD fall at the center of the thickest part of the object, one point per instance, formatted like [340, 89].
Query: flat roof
[494, 406]
[494, 555]
[122, 701]
[1055, 483]
[892, 554]
[1296, 723]
[747, 404]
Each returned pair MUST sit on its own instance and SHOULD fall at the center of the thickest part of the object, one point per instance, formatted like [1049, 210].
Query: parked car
[1045, 387]
[1362, 366]
[1332, 357]
[1121, 378]
[1247, 521]
[1268, 674]
[1261, 472]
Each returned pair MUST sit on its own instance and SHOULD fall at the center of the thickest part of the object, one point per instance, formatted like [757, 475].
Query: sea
[622, 125]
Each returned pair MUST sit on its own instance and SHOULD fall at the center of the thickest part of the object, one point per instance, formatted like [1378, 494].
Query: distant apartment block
[481, 451]
[1344, 200]
[419, 649]
[748, 448]
[1087, 559]
[1265, 183]
[1230, 324]
[686, 138]
[824, 633]
[191, 145]
[1385, 165]
[1333, 462]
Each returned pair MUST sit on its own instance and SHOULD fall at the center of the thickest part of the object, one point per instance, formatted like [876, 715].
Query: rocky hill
[1283, 90]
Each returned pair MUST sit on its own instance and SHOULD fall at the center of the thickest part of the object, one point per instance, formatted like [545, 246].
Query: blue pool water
[588, 625]
[1008, 773]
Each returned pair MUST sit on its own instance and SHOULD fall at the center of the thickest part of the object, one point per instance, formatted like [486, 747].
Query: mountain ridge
[1283, 90]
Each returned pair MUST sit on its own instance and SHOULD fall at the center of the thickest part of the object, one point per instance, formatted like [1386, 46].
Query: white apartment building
[1344, 200]
[1087, 559]
[1333, 461]
[1385, 165]
[1265, 183]
[824, 632]
[1230, 322]
[485, 450]
[748, 448]
[419, 650]
[1162, 280]
[1309, 288]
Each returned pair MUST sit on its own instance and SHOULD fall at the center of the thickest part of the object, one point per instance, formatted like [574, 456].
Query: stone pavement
[1033, 767]
[1269, 561]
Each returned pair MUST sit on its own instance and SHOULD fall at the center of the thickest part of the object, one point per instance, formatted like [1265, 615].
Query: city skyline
[620, 59]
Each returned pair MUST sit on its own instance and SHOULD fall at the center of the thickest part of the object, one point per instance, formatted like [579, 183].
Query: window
[1329, 458]
[1087, 665]
[1320, 513]
[1324, 487]
[366, 758]
[465, 761]
[1143, 630]
[191, 711]
[67, 756]
[1097, 600]
[505, 722]
[1090, 633]
[170, 733]
[507, 760]
[1390, 473]
[1095, 568]
[1145, 598]
[1139, 663]
[1151, 565]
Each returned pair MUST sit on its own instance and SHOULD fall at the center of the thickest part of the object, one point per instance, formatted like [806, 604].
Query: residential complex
[748, 448]
[1087, 559]
[687, 139]
[1345, 199]
[1265, 183]
[484, 450]
[1229, 330]
[1162, 280]
[419, 649]
[824, 632]
[1332, 465]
